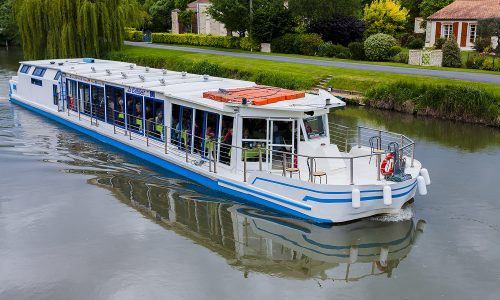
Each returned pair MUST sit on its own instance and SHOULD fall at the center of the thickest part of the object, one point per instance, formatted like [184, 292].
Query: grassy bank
[462, 103]
[300, 76]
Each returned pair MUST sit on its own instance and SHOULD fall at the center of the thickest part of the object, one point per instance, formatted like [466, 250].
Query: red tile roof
[468, 10]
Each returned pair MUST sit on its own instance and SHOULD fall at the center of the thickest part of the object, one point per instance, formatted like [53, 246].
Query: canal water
[82, 220]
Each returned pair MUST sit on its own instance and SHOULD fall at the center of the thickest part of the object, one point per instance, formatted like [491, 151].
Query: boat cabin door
[281, 142]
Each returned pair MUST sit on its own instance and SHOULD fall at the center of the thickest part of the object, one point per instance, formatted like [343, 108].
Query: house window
[39, 72]
[447, 31]
[25, 69]
[472, 33]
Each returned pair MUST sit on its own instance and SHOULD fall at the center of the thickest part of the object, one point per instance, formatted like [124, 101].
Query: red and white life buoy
[387, 165]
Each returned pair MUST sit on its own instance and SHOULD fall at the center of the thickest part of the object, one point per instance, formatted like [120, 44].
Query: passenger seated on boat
[121, 116]
[138, 116]
[174, 131]
[158, 125]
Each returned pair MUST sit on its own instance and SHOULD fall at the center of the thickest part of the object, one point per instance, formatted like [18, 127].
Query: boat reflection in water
[254, 240]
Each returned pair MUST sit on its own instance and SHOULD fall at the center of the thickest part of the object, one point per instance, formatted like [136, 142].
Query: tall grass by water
[454, 102]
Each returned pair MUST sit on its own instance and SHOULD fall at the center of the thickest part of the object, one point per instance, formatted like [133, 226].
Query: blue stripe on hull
[172, 167]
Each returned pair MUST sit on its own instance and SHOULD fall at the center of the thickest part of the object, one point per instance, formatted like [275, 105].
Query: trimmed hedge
[453, 102]
[378, 46]
[133, 35]
[279, 79]
[228, 42]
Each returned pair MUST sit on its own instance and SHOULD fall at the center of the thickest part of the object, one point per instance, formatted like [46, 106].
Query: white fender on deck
[356, 198]
[353, 254]
[422, 187]
[384, 253]
[387, 195]
[426, 176]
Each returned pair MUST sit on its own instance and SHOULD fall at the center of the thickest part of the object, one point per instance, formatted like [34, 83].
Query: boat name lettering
[136, 91]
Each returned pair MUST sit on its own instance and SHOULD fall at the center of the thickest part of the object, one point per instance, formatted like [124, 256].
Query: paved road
[479, 77]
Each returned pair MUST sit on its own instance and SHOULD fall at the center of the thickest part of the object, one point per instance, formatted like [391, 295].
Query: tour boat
[270, 146]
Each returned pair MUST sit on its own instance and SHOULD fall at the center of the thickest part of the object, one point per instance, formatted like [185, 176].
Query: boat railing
[208, 153]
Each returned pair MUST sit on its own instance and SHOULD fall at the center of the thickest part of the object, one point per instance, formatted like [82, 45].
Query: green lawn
[385, 63]
[348, 79]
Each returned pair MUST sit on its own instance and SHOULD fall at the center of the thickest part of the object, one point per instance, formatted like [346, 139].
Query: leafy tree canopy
[385, 16]
[340, 30]
[234, 14]
[318, 10]
[428, 7]
[74, 28]
[160, 13]
[8, 25]
[271, 19]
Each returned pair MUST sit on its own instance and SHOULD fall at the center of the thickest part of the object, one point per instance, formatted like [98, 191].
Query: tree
[73, 28]
[451, 54]
[161, 15]
[486, 28]
[340, 30]
[413, 7]
[313, 11]
[234, 14]
[428, 7]
[8, 27]
[271, 19]
[385, 16]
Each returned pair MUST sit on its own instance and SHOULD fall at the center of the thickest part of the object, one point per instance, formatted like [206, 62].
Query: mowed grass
[349, 79]
[382, 63]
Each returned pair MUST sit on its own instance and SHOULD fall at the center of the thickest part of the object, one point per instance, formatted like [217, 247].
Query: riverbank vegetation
[462, 103]
[476, 101]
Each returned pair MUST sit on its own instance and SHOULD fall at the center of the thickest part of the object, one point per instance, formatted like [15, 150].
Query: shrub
[395, 50]
[451, 54]
[330, 50]
[491, 65]
[131, 34]
[228, 42]
[416, 43]
[378, 46]
[308, 43]
[357, 50]
[439, 43]
[339, 29]
[285, 44]
[402, 58]
[248, 44]
[304, 43]
[482, 43]
[447, 101]
[474, 61]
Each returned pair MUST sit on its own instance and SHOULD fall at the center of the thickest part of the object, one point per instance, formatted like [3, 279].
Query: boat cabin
[188, 110]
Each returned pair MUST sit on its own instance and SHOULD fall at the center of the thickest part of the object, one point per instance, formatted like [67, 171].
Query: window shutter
[455, 30]
[438, 30]
[463, 40]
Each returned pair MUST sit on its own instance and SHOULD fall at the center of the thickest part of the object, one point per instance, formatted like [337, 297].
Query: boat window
[226, 139]
[55, 95]
[84, 98]
[39, 72]
[115, 105]
[315, 127]
[98, 104]
[25, 69]
[154, 117]
[36, 81]
[135, 113]
[58, 75]
[254, 136]
[72, 91]
[181, 122]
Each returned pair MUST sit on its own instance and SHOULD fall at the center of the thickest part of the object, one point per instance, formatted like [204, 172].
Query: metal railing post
[284, 165]
[147, 137]
[114, 123]
[245, 164]
[359, 137]
[380, 137]
[260, 159]
[311, 170]
[186, 146]
[165, 137]
[346, 131]
[352, 170]
[412, 154]
[215, 160]
[378, 166]
[209, 162]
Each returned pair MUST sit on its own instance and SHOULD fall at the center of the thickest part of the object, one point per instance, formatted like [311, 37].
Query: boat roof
[189, 87]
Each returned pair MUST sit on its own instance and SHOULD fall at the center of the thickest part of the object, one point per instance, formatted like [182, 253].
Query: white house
[459, 19]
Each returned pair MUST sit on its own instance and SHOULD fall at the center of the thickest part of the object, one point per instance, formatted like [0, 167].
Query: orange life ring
[387, 165]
